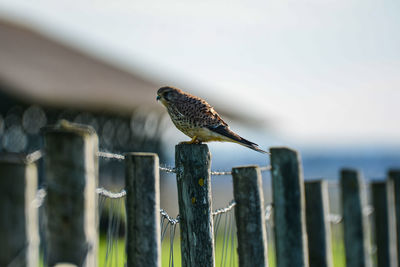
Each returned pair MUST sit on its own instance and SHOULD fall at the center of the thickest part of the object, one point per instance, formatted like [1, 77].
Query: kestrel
[197, 119]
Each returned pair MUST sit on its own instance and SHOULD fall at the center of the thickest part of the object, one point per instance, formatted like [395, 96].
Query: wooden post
[318, 226]
[383, 203]
[289, 208]
[394, 176]
[143, 245]
[250, 216]
[356, 237]
[193, 175]
[71, 169]
[19, 245]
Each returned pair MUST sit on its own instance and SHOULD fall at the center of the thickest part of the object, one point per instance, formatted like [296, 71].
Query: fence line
[38, 154]
[68, 183]
[331, 217]
[41, 194]
[116, 156]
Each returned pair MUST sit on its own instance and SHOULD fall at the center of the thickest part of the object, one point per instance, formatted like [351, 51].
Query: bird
[197, 119]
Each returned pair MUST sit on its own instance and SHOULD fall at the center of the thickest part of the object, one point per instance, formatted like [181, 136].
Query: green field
[116, 258]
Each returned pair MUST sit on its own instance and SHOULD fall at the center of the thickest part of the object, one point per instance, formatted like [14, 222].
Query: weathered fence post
[385, 231]
[71, 169]
[193, 175]
[143, 244]
[356, 237]
[250, 216]
[289, 209]
[318, 226]
[19, 237]
[394, 176]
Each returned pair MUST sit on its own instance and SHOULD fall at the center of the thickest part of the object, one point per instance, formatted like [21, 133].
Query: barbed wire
[231, 204]
[167, 169]
[34, 156]
[41, 193]
[103, 192]
[38, 201]
[170, 219]
[335, 218]
[221, 172]
[268, 211]
[38, 154]
[332, 218]
[368, 210]
[110, 155]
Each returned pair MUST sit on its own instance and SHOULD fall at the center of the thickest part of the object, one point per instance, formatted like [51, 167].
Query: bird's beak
[158, 97]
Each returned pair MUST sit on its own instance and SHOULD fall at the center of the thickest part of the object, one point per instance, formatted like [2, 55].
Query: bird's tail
[251, 145]
[235, 138]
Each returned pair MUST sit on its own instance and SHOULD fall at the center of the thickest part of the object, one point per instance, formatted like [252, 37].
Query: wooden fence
[302, 231]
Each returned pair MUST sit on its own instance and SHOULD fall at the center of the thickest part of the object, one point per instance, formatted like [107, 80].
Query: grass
[117, 257]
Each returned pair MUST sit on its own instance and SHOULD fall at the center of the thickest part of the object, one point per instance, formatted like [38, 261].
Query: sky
[318, 72]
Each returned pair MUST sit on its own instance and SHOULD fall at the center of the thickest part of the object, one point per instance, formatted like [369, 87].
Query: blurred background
[319, 76]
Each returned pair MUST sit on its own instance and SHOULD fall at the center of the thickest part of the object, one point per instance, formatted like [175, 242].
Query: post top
[245, 167]
[378, 182]
[394, 173]
[315, 180]
[349, 172]
[283, 149]
[183, 146]
[69, 127]
[192, 151]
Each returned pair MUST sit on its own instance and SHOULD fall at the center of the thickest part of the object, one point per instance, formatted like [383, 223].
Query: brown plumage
[197, 119]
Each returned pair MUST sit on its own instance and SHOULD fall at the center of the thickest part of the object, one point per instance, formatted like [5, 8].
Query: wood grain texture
[250, 216]
[355, 222]
[318, 227]
[385, 229]
[289, 208]
[71, 168]
[19, 220]
[193, 175]
[142, 185]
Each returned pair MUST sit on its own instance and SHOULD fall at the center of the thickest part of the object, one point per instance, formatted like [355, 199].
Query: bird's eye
[167, 96]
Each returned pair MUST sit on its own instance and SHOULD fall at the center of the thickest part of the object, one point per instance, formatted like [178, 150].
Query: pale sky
[319, 71]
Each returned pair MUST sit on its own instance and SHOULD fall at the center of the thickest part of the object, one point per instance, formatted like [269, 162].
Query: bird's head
[168, 94]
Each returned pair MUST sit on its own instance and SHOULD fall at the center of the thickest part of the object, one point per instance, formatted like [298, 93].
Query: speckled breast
[184, 124]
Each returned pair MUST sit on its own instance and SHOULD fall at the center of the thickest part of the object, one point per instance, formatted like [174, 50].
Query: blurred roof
[37, 69]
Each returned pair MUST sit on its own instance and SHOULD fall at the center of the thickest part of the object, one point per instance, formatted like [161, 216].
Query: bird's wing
[200, 112]
[203, 114]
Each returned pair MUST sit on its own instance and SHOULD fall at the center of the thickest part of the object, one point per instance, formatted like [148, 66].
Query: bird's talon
[193, 141]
